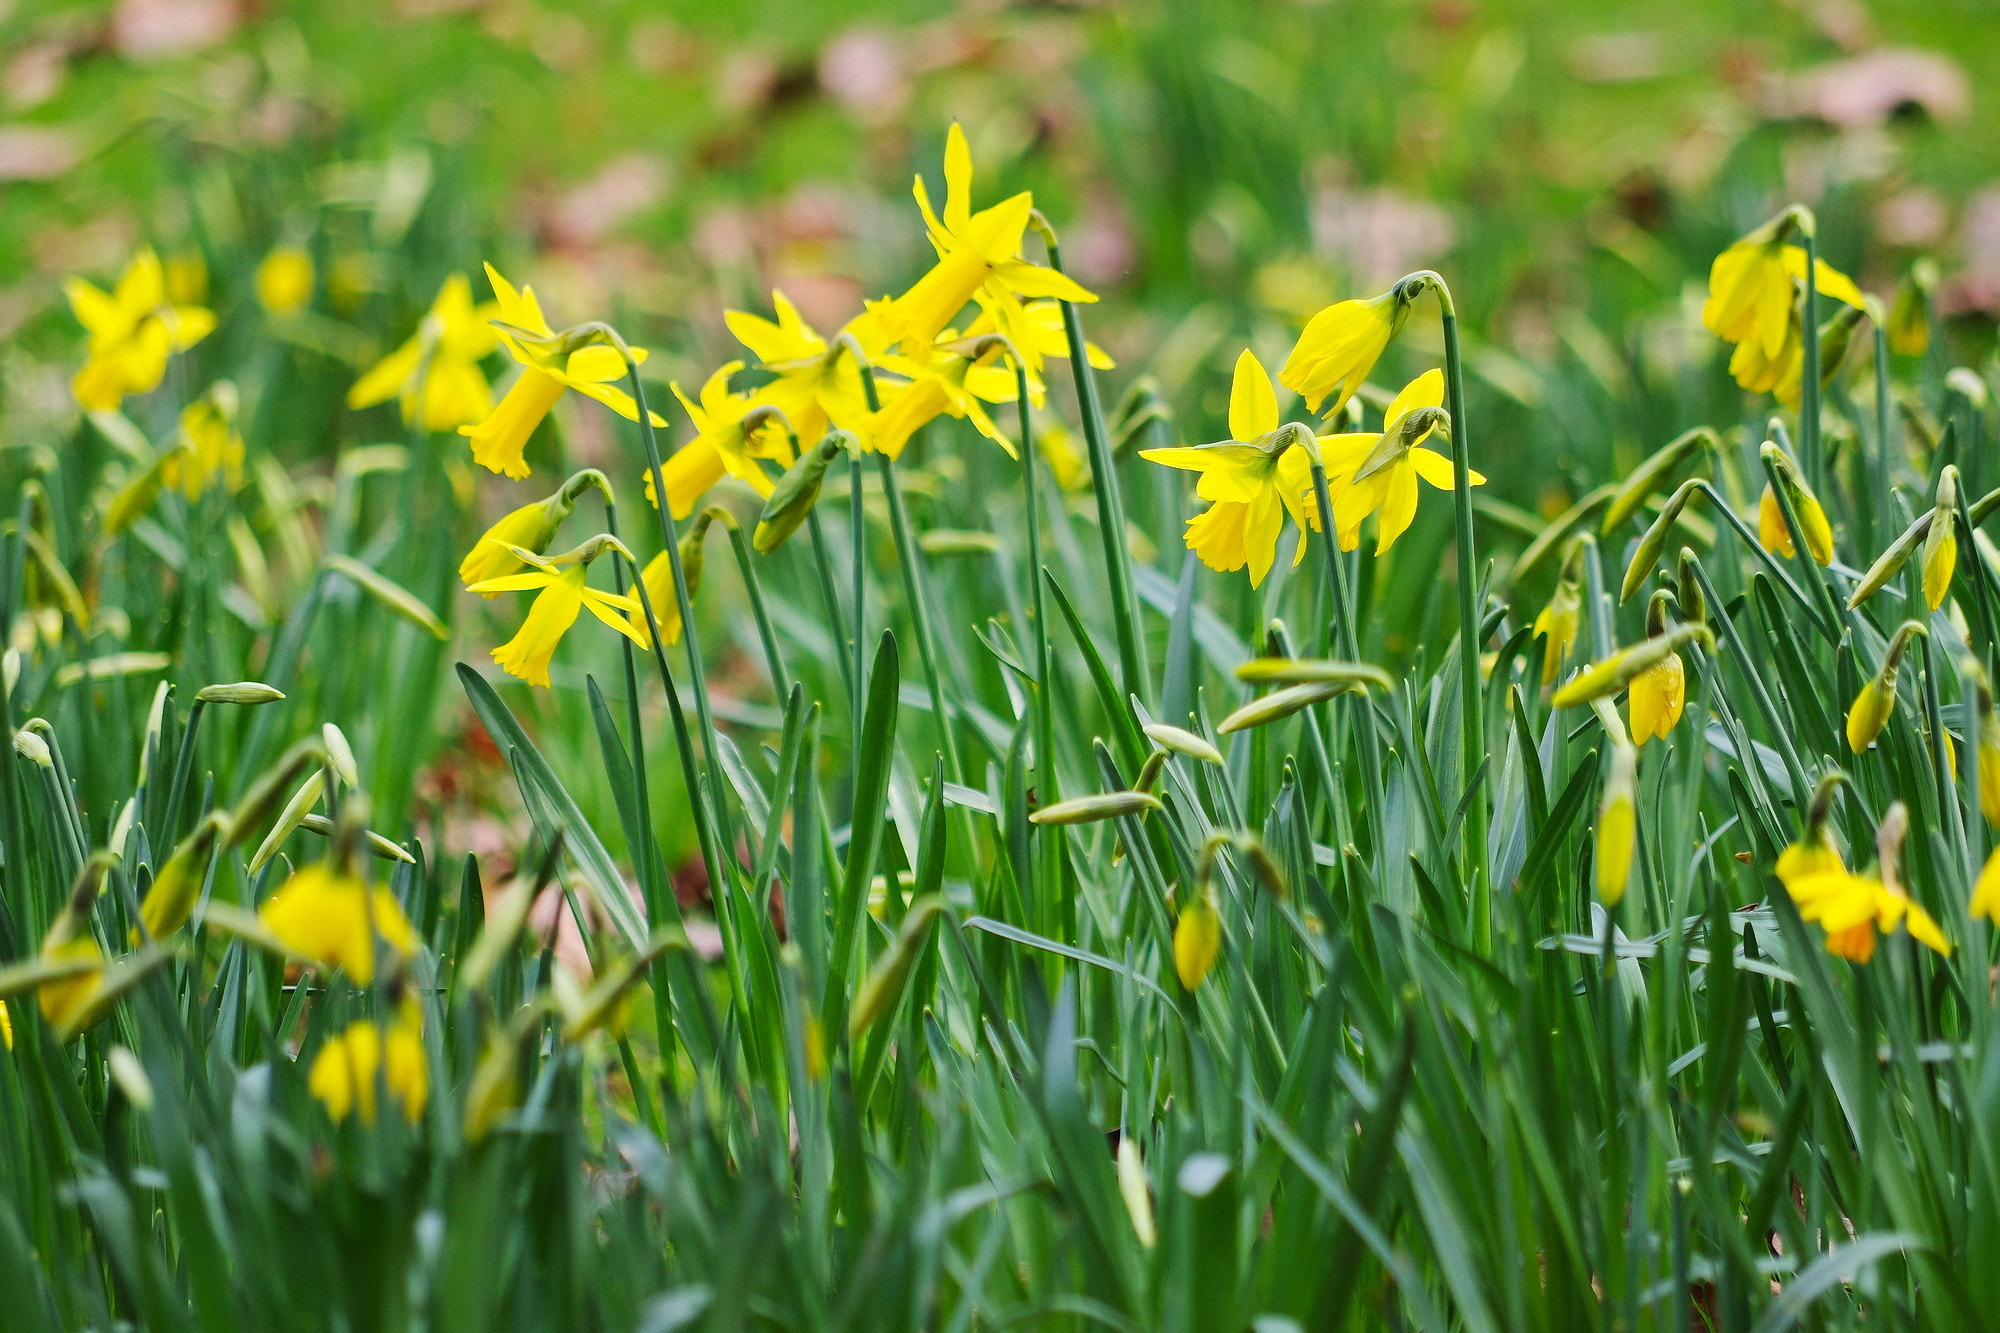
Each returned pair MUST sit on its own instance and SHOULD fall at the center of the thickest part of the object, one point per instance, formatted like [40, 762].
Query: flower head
[1372, 473]
[344, 1073]
[1617, 825]
[333, 918]
[953, 379]
[1197, 941]
[563, 596]
[435, 375]
[1340, 345]
[1853, 908]
[1558, 622]
[1656, 699]
[975, 250]
[728, 442]
[818, 384]
[1253, 479]
[531, 527]
[500, 441]
[285, 281]
[133, 330]
[210, 450]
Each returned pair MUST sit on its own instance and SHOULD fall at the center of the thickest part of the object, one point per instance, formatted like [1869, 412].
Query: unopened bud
[246, 692]
[1654, 540]
[1183, 742]
[1614, 673]
[1090, 809]
[1648, 476]
[1197, 942]
[796, 493]
[1617, 825]
[1282, 704]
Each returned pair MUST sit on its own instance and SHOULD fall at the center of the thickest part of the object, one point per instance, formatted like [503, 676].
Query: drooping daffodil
[818, 384]
[564, 595]
[1340, 345]
[332, 917]
[1371, 473]
[731, 437]
[955, 379]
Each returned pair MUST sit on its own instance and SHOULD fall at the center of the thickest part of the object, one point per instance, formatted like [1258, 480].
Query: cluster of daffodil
[1759, 300]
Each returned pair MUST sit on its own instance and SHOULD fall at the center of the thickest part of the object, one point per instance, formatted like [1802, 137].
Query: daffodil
[210, 449]
[722, 446]
[818, 385]
[1252, 479]
[1034, 327]
[564, 595]
[658, 577]
[1986, 892]
[499, 442]
[975, 250]
[1617, 828]
[1753, 302]
[133, 330]
[1197, 942]
[435, 375]
[1656, 699]
[955, 379]
[1773, 533]
[1372, 473]
[1558, 622]
[1340, 345]
[344, 1073]
[332, 917]
[66, 1001]
[1851, 908]
[531, 527]
[284, 281]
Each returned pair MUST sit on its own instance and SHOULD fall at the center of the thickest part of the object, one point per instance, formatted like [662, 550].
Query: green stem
[835, 622]
[1880, 471]
[1350, 646]
[1809, 379]
[913, 592]
[780, 684]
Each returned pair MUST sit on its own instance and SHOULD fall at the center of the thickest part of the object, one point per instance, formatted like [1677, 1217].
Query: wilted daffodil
[210, 450]
[724, 444]
[435, 375]
[817, 384]
[1253, 479]
[332, 917]
[564, 595]
[344, 1072]
[133, 330]
[499, 442]
[1341, 344]
[1370, 473]
[974, 250]
[1852, 908]
[284, 281]
[954, 380]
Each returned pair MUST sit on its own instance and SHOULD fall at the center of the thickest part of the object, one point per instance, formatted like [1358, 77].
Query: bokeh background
[1218, 170]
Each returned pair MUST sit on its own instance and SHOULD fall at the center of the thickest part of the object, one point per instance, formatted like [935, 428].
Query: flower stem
[1879, 473]
[1473, 746]
[913, 592]
[1350, 647]
[1809, 371]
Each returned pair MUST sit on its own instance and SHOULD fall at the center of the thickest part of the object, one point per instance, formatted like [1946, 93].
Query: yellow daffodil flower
[1197, 942]
[6, 1025]
[343, 1074]
[1850, 907]
[435, 375]
[1775, 536]
[133, 330]
[1252, 479]
[1753, 295]
[1656, 699]
[945, 382]
[974, 250]
[1034, 327]
[817, 385]
[1559, 621]
[284, 281]
[531, 527]
[721, 446]
[333, 918]
[564, 595]
[1617, 828]
[1870, 713]
[210, 450]
[1986, 892]
[498, 442]
[1340, 345]
[1370, 473]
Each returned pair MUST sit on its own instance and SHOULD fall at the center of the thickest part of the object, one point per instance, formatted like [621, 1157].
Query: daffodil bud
[1648, 476]
[1693, 602]
[1341, 344]
[1617, 671]
[1909, 326]
[1313, 671]
[1654, 540]
[796, 493]
[1891, 561]
[1183, 742]
[1558, 623]
[31, 747]
[1279, 705]
[531, 527]
[1813, 527]
[1967, 384]
[1941, 542]
[1987, 740]
[1132, 1187]
[1197, 941]
[1617, 825]
[1835, 337]
[171, 900]
[1876, 703]
[1090, 809]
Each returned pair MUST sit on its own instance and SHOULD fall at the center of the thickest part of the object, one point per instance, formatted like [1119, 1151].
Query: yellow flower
[532, 527]
[1813, 525]
[285, 281]
[333, 918]
[1850, 907]
[1340, 345]
[564, 595]
[210, 449]
[816, 385]
[1658, 695]
[1558, 621]
[1034, 327]
[498, 442]
[1617, 830]
[1870, 713]
[66, 1000]
[1940, 561]
[721, 446]
[1252, 479]
[1197, 942]
[945, 383]
[344, 1072]
[446, 390]
[1370, 472]
[1753, 289]
[133, 330]
[975, 250]
[659, 580]
[6, 1025]
[1986, 893]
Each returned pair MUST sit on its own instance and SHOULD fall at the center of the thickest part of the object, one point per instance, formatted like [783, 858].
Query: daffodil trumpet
[563, 594]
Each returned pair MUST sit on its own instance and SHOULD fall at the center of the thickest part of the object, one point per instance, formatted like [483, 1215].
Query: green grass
[943, 1072]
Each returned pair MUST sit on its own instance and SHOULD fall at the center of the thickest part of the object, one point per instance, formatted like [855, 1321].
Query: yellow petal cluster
[333, 918]
[563, 595]
[133, 329]
[1851, 908]
[345, 1072]
[435, 375]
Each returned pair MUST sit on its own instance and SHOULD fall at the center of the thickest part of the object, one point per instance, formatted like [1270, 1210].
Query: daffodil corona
[563, 596]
